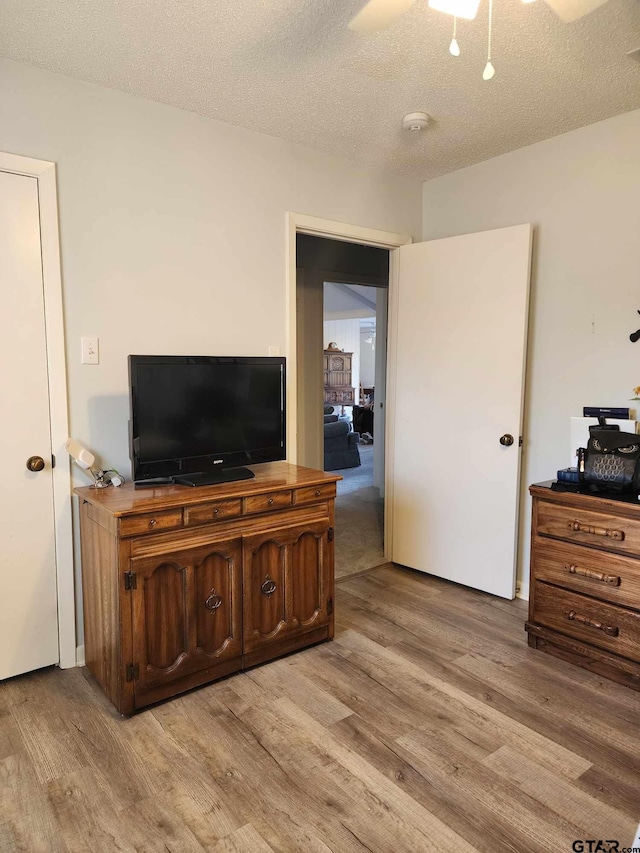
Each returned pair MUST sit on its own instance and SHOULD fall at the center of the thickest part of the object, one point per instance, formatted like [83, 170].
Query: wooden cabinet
[337, 370]
[584, 598]
[182, 586]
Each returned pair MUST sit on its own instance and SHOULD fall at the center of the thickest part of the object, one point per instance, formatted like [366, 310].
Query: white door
[459, 375]
[28, 604]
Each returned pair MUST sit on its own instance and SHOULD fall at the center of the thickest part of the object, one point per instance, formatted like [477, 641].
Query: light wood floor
[427, 724]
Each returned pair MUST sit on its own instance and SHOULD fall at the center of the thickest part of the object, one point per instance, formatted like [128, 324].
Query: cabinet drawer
[150, 522]
[611, 532]
[605, 576]
[212, 512]
[263, 503]
[311, 494]
[597, 623]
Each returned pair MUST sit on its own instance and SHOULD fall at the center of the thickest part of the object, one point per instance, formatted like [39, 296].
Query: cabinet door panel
[308, 577]
[264, 592]
[160, 617]
[187, 612]
[287, 573]
[217, 602]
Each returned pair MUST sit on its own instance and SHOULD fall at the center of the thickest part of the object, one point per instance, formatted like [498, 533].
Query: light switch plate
[90, 351]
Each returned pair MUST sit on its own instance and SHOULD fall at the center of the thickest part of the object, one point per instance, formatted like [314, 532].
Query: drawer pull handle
[270, 501]
[317, 493]
[609, 630]
[152, 522]
[613, 580]
[618, 535]
[216, 511]
[268, 587]
[213, 601]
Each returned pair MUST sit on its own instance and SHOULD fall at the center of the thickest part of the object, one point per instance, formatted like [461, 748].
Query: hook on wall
[635, 336]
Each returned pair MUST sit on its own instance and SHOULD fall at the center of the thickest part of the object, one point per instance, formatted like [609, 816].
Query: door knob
[35, 463]
[506, 440]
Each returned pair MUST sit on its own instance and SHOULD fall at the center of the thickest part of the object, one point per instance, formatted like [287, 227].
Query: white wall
[367, 357]
[581, 191]
[173, 230]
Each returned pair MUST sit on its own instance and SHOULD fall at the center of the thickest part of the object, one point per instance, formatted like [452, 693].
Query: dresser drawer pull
[609, 630]
[618, 535]
[613, 580]
[152, 522]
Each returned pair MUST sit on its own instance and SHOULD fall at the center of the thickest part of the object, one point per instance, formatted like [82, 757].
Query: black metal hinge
[330, 606]
[330, 534]
[133, 671]
[130, 580]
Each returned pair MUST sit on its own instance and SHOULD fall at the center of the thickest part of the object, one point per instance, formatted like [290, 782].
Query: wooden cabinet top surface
[624, 504]
[270, 476]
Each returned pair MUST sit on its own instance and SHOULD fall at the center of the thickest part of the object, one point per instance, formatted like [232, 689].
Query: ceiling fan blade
[378, 15]
[571, 10]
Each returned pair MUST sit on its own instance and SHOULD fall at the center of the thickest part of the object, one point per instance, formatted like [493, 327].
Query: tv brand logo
[217, 461]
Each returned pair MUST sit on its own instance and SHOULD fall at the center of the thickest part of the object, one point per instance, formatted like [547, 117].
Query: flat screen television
[197, 420]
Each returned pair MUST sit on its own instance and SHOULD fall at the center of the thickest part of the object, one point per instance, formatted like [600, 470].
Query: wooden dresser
[184, 585]
[337, 371]
[584, 603]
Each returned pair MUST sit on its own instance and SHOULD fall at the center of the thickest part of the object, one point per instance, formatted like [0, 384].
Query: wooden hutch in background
[338, 386]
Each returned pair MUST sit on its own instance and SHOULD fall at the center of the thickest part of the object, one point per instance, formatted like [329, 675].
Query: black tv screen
[200, 415]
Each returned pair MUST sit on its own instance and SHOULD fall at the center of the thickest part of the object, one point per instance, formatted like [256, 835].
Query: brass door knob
[506, 440]
[35, 463]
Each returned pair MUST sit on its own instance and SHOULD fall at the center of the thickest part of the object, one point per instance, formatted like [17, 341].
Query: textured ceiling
[292, 69]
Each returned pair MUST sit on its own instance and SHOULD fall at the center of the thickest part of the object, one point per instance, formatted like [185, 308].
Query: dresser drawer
[597, 623]
[214, 511]
[606, 576]
[311, 494]
[266, 502]
[150, 522]
[612, 532]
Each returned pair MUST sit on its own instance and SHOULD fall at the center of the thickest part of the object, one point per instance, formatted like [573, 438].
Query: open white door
[458, 377]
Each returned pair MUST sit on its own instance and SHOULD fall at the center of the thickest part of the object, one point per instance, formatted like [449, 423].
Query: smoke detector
[415, 122]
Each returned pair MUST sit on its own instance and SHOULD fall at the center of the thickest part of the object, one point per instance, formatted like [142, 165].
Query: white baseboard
[522, 590]
[80, 655]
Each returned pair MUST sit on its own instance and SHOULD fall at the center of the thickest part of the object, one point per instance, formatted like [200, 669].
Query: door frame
[299, 223]
[44, 172]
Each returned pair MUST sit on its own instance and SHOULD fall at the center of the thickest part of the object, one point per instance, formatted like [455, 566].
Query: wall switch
[273, 351]
[90, 353]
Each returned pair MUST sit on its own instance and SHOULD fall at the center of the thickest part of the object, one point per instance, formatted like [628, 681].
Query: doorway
[342, 294]
[468, 276]
[355, 318]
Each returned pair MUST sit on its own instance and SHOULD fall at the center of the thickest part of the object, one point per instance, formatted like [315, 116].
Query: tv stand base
[210, 478]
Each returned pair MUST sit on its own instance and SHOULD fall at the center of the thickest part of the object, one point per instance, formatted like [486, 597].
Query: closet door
[29, 600]
[458, 377]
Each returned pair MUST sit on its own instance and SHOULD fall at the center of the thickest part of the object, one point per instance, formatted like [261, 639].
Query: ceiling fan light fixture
[467, 9]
